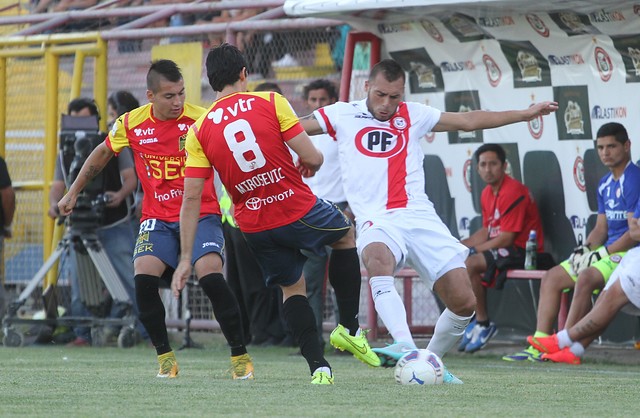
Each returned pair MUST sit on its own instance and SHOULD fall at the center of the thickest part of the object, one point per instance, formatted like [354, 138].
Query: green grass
[58, 381]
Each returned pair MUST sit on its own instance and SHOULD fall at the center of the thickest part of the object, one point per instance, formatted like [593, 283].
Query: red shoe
[547, 345]
[563, 356]
[79, 342]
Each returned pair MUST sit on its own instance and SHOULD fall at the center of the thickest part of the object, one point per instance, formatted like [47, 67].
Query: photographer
[7, 210]
[114, 231]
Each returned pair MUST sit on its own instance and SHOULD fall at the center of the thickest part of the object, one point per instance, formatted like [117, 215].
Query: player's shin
[346, 280]
[390, 308]
[300, 319]
[447, 332]
[152, 311]
[226, 310]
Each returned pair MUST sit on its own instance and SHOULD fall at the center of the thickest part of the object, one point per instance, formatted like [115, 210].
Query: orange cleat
[563, 356]
[547, 345]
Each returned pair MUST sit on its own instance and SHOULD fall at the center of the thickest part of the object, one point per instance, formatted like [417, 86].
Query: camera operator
[7, 210]
[115, 231]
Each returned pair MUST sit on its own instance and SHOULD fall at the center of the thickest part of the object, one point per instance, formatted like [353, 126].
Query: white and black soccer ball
[419, 367]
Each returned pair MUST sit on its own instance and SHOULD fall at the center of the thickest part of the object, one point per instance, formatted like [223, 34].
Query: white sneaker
[286, 61]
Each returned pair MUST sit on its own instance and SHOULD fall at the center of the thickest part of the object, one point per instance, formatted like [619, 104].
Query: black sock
[484, 324]
[226, 310]
[344, 276]
[152, 311]
[300, 319]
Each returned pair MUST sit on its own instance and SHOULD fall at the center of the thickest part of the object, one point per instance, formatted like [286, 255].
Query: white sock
[323, 369]
[577, 349]
[563, 339]
[447, 332]
[390, 308]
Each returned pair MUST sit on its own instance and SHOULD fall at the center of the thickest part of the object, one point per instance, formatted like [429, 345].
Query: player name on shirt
[260, 180]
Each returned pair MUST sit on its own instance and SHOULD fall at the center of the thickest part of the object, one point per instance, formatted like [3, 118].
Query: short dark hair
[268, 86]
[502, 155]
[321, 83]
[224, 64]
[389, 68]
[166, 69]
[614, 129]
[122, 102]
[76, 105]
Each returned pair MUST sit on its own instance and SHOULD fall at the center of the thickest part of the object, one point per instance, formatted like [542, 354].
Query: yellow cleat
[242, 367]
[321, 378]
[168, 365]
[356, 345]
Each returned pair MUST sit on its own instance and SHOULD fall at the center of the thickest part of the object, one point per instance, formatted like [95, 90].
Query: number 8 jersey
[243, 137]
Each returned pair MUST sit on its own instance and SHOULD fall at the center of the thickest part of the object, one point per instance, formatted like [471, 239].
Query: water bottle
[531, 251]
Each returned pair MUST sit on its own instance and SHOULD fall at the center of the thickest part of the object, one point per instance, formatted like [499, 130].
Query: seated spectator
[230, 15]
[508, 214]
[588, 269]
[620, 293]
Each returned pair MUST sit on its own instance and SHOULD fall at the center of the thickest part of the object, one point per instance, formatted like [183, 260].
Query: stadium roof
[405, 10]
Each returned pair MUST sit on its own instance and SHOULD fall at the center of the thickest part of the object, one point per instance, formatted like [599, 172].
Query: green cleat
[321, 378]
[528, 353]
[356, 345]
[242, 367]
[168, 366]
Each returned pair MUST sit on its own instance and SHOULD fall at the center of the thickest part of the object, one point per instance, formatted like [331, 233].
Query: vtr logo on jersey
[143, 132]
[379, 142]
[241, 105]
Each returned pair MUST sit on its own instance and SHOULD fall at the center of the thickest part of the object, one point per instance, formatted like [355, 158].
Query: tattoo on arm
[589, 328]
[92, 171]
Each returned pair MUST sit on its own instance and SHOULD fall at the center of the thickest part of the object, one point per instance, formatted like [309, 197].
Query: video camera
[79, 135]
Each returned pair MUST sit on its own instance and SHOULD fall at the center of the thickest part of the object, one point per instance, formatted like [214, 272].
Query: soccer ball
[419, 367]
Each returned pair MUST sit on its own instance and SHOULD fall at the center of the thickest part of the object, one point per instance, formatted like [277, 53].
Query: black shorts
[501, 260]
[278, 250]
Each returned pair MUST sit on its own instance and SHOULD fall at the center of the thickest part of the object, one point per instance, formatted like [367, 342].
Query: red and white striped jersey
[381, 162]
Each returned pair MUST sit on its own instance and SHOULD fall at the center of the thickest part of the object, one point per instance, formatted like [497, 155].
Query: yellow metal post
[3, 105]
[50, 142]
[76, 81]
[101, 70]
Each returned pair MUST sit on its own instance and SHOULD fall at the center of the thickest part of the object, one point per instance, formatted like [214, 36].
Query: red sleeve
[517, 197]
[198, 172]
[292, 132]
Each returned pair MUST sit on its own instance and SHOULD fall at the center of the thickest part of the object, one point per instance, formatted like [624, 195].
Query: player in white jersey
[381, 162]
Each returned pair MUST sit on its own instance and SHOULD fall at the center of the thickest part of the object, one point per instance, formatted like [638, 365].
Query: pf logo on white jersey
[379, 142]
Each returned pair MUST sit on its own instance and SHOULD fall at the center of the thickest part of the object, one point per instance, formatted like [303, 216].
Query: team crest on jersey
[181, 142]
[399, 123]
[380, 142]
[616, 258]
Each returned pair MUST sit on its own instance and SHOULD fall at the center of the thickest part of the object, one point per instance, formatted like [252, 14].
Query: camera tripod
[96, 274]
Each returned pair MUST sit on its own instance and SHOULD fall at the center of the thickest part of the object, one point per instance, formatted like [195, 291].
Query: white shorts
[417, 238]
[628, 272]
